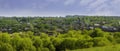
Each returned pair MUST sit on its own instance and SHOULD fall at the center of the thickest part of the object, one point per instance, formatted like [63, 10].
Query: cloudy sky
[59, 7]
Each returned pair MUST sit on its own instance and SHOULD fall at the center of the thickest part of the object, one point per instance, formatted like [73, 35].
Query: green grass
[106, 48]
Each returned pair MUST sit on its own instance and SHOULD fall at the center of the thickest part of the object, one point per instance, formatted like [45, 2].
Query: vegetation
[59, 24]
[58, 33]
[73, 39]
[106, 48]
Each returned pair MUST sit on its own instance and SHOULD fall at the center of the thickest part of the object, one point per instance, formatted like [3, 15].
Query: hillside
[107, 48]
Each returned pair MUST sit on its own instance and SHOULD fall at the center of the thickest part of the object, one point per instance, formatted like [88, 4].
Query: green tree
[84, 43]
[37, 42]
[51, 47]
[27, 45]
[5, 37]
[68, 43]
[6, 47]
[98, 33]
[101, 41]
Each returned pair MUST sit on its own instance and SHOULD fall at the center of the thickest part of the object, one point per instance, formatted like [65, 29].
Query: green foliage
[68, 43]
[57, 33]
[44, 49]
[59, 24]
[37, 42]
[51, 47]
[6, 47]
[26, 44]
[73, 39]
[57, 41]
[116, 35]
[5, 38]
[84, 43]
[101, 41]
[106, 48]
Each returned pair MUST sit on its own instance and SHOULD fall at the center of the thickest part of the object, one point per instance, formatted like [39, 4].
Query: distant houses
[109, 28]
[103, 27]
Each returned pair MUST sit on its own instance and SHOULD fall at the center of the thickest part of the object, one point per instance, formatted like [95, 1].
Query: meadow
[106, 48]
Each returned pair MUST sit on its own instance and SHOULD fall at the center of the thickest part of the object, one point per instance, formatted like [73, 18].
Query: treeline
[73, 39]
[59, 24]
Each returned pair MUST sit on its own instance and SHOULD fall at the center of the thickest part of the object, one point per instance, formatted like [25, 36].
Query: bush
[44, 49]
[5, 47]
[51, 47]
[69, 43]
[5, 37]
[37, 42]
[101, 41]
[70, 40]
[84, 43]
[26, 45]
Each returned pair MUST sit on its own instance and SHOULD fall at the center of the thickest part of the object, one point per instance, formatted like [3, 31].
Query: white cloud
[40, 6]
[115, 1]
[102, 7]
[69, 2]
[97, 3]
[85, 2]
[115, 4]
[18, 12]
[103, 13]
[93, 7]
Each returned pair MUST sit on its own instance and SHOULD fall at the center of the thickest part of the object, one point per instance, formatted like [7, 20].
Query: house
[109, 28]
[90, 28]
[97, 25]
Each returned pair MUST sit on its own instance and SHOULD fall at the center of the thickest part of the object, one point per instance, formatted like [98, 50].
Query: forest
[58, 33]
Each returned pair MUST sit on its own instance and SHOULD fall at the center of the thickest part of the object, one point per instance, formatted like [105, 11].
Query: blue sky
[59, 7]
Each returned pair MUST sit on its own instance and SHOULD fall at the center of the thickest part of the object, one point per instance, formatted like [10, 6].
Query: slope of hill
[107, 48]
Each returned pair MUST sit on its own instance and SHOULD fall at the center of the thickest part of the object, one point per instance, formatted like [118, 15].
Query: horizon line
[50, 15]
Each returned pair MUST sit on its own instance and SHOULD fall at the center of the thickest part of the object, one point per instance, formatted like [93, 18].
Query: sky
[59, 7]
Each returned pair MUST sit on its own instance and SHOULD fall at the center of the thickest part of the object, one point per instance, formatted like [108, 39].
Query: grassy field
[106, 48]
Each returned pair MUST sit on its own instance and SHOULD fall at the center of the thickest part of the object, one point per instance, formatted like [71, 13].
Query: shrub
[101, 41]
